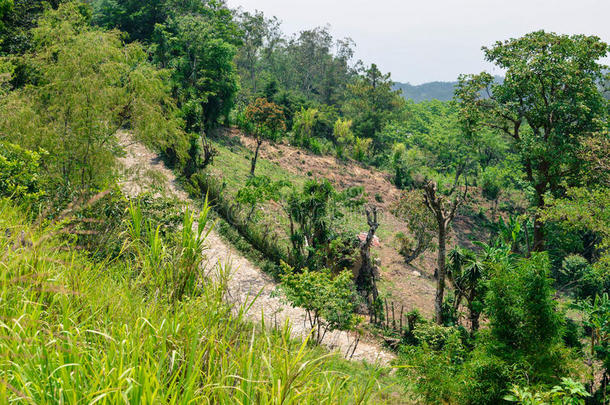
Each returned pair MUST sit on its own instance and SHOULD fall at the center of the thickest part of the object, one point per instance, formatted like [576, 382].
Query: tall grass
[75, 331]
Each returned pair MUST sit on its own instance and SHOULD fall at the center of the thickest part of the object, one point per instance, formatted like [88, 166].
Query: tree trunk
[253, 166]
[365, 282]
[440, 282]
[538, 243]
[474, 321]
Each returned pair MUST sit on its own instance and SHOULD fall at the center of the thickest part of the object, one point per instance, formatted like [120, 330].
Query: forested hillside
[442, 91]
[456, 235]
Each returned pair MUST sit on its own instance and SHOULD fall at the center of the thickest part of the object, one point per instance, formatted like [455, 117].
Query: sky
[434, 40]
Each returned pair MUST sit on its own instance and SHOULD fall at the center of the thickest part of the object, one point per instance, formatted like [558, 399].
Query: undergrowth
[77, 331]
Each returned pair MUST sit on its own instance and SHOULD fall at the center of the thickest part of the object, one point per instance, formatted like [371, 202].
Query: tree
[258, 32]
[329, 302]
[258, 190]
[366, 277]
[268, 123]
[412, 209]
[597, 321]
[17, 18]
[135, 17]
[371, 103]
[199, 48]
[469, 271]
[90, 86]
[308, 212]
[524, 322]
[548, 104]
[343, 137]
[443, 209]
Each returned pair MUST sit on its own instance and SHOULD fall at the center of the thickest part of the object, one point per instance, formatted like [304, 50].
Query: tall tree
[548, 103]
[371, 103]
[90, 86]
[199, 48]
[443, 209]
[257, 33]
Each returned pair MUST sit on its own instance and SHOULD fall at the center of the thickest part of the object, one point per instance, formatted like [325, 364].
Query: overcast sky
[428, 40]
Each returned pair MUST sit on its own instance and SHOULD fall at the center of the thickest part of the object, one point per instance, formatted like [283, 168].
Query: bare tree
[366, 277]
[444, 209]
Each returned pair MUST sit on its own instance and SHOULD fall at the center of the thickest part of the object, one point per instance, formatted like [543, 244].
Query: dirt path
[143, 170]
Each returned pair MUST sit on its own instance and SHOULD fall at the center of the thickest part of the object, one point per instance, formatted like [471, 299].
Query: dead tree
[366, 278]
[444, 210]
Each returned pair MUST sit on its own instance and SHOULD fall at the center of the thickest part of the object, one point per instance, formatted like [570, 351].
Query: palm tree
[468, 271]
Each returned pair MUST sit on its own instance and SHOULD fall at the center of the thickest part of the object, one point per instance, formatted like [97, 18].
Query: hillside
[198, 207]
[410, 286]
[442, 91]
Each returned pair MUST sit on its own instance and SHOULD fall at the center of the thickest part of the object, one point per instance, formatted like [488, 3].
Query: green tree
[259, 189]
[268, 123]
[412, 209]
[371, 103]
[548, 104]
[443, 209]
[328, 300]
[343, 137]
[524, 322]
[199, 49]
[90, 87]
[135, 17]
[20, 173]
[469, 272]
[597, 321]
[258, 34]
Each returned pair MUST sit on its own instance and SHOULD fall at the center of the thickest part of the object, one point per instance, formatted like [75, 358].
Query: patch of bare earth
[143, 171]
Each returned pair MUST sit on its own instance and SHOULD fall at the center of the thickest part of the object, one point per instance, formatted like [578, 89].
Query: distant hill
[427, 91]
[430, 91]
[443, 91]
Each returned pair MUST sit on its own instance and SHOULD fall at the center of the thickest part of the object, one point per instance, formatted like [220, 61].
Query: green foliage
[179, 272]
[199, 48]
[91, 86]
[371, 104]
[430, 368]
[597, 321]
[344, 137]
[314, 213]
[548, 104]
[136, 18]
[20, 173]
[412, 210]
[569, 392]
[115, 343]
[330, 301]
[525, 325]
[259, 189]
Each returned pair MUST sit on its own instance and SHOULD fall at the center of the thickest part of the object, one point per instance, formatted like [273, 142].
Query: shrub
[329, 301]
[20, 173]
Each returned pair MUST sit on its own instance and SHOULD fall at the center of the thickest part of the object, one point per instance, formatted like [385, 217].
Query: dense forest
[462, 228]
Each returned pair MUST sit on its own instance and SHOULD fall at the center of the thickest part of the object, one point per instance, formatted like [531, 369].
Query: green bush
[486, 379]
[20, 176]
[330, 301]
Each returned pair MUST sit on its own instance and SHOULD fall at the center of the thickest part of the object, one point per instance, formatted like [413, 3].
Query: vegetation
[107, 298]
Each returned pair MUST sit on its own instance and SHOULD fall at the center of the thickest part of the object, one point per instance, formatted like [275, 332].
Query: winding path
[143, 170]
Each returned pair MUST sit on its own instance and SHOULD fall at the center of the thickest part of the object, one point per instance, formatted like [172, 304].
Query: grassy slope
[77, 331]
